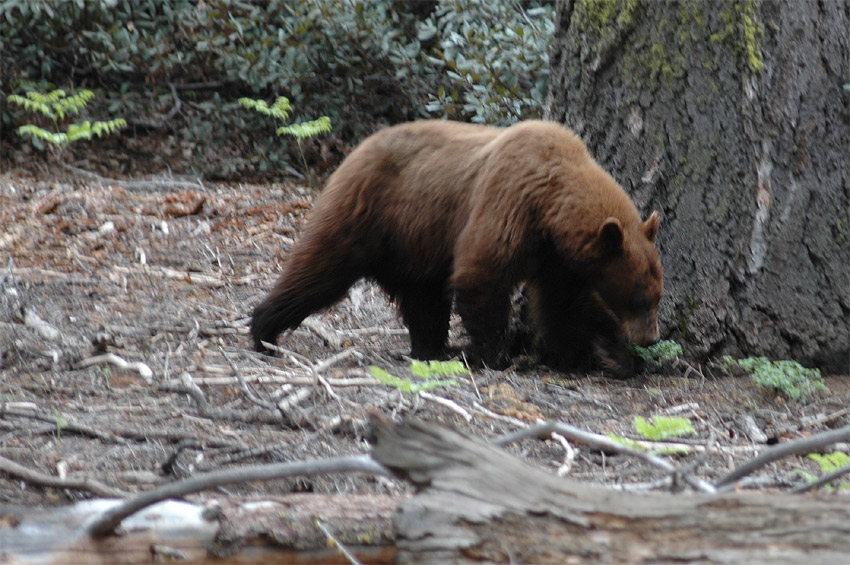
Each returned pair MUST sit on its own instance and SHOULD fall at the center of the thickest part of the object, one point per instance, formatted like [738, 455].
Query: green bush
[361, 63]
[495, 56]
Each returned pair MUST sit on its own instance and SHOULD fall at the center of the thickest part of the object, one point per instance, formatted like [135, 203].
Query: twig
[295, 380]
[144, 185]
[599, 442]
[828, 478]
[447, 403]
[334, 359]
[824, 418]
[247, 390]
[569, 455]
[798, 447]
[206, 411]
[209, 279]
[495, 416]
[323, 331]
[111, 519]
[351, 559]
[37, 478]
[137, 366]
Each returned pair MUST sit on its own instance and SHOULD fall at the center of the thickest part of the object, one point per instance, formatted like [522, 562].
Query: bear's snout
[643, 330]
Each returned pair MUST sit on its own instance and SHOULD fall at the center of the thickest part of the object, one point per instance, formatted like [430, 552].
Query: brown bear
[438, 210]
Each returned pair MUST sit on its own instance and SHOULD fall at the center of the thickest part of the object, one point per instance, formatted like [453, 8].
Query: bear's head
[629, 276]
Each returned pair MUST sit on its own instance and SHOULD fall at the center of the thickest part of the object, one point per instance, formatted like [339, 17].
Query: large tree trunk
[730, 118]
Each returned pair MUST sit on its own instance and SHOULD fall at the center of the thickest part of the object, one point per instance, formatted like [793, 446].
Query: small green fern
[789, 377]
[429, 372]
[280, 110]
[831, 461]
[656, 354]
[625, 442]
[56, 106]
[828, 463]
[663, 427]
[433, 369]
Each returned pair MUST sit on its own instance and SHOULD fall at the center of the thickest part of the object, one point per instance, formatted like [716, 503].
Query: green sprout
[429, 373]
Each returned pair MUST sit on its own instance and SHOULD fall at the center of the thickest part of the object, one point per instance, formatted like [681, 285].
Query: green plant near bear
[828, 463]
[430, 374]
[789, 377]
[280, 111]
[656, 354]
[56, 106]
[659, 429]
[663, 427]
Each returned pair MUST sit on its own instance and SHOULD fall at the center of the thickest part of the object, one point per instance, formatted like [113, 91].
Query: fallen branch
[111, 519]
[137, 366]
[209, 279]
[40, 479]
[797, 447]
[143, 185]
[604, 443]
[476, 503]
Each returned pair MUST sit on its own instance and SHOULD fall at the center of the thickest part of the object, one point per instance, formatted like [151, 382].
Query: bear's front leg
[485, 314]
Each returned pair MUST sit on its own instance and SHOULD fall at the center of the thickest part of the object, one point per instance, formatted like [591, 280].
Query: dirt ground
[164, 277]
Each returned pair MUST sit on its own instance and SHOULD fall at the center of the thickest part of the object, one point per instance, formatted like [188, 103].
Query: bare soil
[167, 276]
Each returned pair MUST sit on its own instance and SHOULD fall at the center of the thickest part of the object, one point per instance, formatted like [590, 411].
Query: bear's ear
[611, 238]
[650, 227]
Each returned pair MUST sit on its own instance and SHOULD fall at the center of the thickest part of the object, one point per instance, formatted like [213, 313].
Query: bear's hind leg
[485, 313]
[426, 311]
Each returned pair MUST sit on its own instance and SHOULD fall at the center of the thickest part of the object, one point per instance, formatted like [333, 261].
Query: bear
[438, 211]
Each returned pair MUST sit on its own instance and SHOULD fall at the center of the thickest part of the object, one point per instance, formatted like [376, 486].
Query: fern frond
[663, 427]
[56, 138]
[63, 104]
[306, 130]
[33, 102]
[433, 369]
[279, 110]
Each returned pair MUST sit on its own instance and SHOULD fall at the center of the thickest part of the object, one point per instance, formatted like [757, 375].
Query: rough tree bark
[476, 503]
[732, 120]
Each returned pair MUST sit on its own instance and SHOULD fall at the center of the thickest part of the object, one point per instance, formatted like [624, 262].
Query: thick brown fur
[433, 210]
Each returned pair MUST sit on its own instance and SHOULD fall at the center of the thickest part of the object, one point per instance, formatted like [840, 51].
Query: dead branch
[143, 185]
[37, 478]
[111, 519]
[112, 359]
[214, 280]
[476, 503]
[797, 447]
[604, 443]
[824, 480]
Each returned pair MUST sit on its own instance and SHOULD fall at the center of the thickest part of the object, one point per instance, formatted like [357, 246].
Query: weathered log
[284, 529]
[475, 503]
